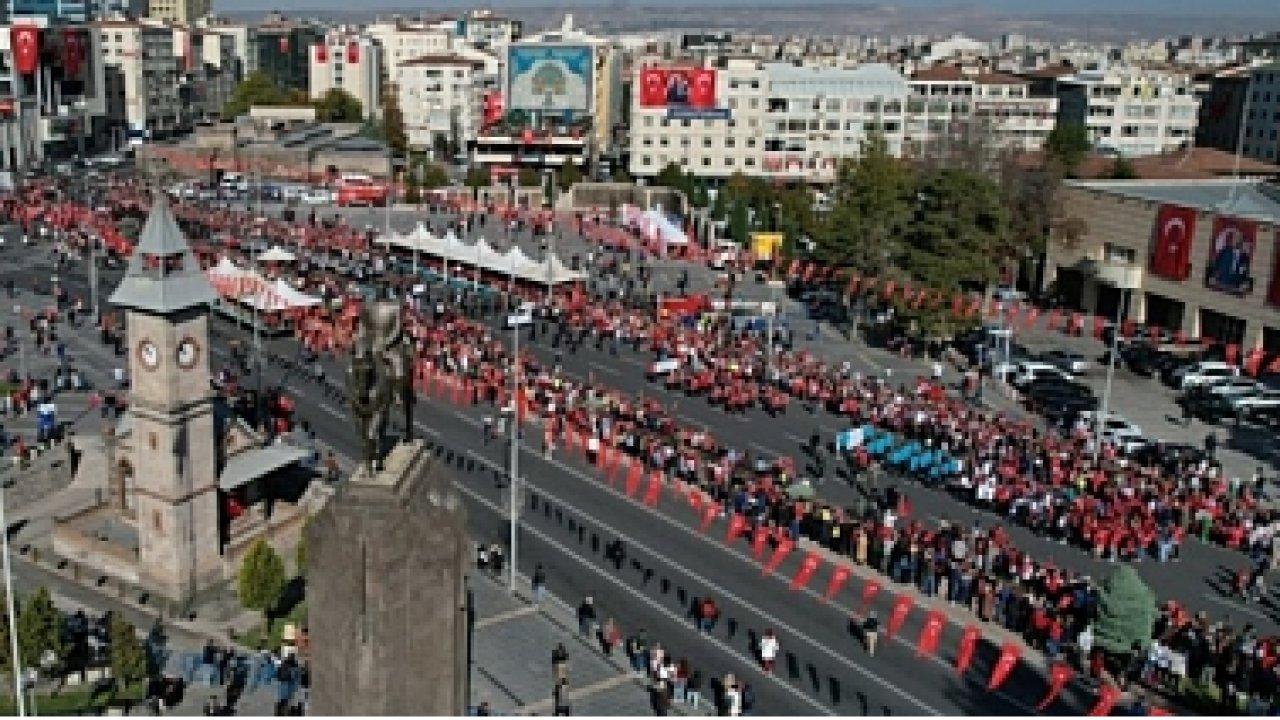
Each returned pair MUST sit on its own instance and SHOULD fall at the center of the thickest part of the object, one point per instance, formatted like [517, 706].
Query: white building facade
[441, 99]
[347, 62]
[1131, 112]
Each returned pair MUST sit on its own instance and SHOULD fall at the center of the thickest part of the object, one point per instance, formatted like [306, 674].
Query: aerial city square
[640, 357]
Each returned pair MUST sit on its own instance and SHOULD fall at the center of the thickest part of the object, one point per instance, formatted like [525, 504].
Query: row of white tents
[514, 262]
[248, 287]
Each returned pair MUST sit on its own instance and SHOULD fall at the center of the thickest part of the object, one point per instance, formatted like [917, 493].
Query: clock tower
[166, 298]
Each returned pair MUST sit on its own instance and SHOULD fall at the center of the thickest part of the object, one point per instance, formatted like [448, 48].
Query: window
[706, 162]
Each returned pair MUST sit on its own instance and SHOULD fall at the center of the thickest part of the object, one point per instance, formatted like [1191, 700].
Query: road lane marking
[720, 590]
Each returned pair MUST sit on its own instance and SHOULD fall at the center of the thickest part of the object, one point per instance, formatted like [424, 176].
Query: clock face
[188, 353]
[148, 355]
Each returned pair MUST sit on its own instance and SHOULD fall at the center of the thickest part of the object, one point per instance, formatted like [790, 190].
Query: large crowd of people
[1060, 485]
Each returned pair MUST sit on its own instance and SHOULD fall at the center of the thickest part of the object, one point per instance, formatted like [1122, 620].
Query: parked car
[317, 196]
[1200, 402]
[1068, 362]
[1233, 386]
[1031, 371]
[1261, 404]
[1204, 372]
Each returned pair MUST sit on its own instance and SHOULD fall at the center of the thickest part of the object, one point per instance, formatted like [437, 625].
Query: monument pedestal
[387, 615]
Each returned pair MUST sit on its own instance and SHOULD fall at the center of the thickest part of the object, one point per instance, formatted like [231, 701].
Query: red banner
[73, 52]
[25, 41]
[898, 615]
[493, 107]
[1231, 255]
[968, 643]
[758, 542]
[1107, 696]
[1004, 665]
[654, 491]
[677, 87]
[808, 567]
[1059, 675]
[737, 526]
[839, 576]
[869, 593]
[931, 633]
[353, 53]
[322, 53]
[780, 553]
[283, 44]
[1171, 242]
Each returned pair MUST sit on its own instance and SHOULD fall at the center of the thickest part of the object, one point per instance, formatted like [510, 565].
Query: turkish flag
[25, 41]
[931, 633]
[695, 500]
[780, 553]
[839, 576]
[652, 492]
[710, 512]
[968, 643]
[1059, 675]
[653, 87]
[322, 53]
[898, 615]
[758, 542]
[869, 593]
[633, 479]
[737, 526]
[1171, 242]
[808, 567]
[702, 88]
[1107, 696]
[1004, 665]
[284, 44]
[72, 52]
[353, 53]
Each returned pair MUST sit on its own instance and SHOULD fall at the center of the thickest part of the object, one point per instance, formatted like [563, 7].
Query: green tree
[128, 659]
[477, 177]
[959, 231]
[257, 89]
[1068, 143]
[432, 175]
[569, 175]
[338, 105]
[620, 175]
[871, 203]
[393, 121]
[671, 176]
[739, 223]
[1122, 169]
[39, 629]
[528, 177]
[261, 579]
[1126, 612]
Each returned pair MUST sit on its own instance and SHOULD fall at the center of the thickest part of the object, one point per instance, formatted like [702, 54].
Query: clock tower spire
[166, 299]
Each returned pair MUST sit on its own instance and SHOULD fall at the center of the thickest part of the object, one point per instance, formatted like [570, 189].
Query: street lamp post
[1111, 372]
[513, 481]
[8, 599]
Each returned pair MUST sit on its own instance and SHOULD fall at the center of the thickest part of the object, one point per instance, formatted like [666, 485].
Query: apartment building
[142, 78]
[178, 11]
[347, 62]
[403, 40]
[1130, 112]
[1262, 118]
[441, 99]
[955, 100]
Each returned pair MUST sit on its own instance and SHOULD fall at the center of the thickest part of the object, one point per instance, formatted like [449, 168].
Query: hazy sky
[1167, 8]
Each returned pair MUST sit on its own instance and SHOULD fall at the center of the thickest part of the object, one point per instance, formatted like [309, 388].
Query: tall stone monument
[166, 298]
[386, 566]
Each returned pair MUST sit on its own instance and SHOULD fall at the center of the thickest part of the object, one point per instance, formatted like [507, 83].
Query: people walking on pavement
[587, 617]
[871, 632]
[539, 584]
[560, 663]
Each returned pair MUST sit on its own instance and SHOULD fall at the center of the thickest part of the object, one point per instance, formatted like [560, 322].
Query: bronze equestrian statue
[380, 374]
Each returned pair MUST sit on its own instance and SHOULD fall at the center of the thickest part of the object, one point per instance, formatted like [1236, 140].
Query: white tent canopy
[277, 254]
[481, 254]
[255, 291]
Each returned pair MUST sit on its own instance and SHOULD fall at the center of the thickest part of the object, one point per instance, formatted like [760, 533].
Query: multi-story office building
[485, 30]
[178, 11]
[281, 48]
[1262, 116]
[441, 98]
[1130, 112]
[142, 78]
[950, 100]
[403, 40]
[348, 62]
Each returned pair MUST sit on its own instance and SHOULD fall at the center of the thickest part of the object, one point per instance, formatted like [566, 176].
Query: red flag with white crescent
[1171, 242]
[737, 526]
[898, 615]
[652, 493]
[931, 633]
[780, 553]
[1060, 675]
[1107, 696]
[839, 576]
[633, 479]
[25, 41]
[1004, 665]
[759, 541]
[968, 643]
[808, 566]
[869, 592]
[710, 511]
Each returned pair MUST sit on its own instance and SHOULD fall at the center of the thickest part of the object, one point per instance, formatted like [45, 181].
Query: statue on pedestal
[380, 375]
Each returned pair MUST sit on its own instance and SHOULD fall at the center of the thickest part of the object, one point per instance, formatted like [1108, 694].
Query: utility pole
[513, 481]
[13, 620]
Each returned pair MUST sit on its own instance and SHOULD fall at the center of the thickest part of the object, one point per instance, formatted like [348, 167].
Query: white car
[1234, 386]
[1205, 372]
[1029, 372]
[1121, 433]
[1265, 399]
[317, 196]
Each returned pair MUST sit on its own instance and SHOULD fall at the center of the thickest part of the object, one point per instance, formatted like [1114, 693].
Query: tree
[1068, 143]
[528, 177]
[39, 630]
[338, 105]
[262, 578]
[477, 177]
[959, 231]
[393, 121]
[128, 658]
[871, 203]
[1126, 612]
[569, 176]
[670, 176]
[1122, 169]
[257, 89]
[738, 223]
[432, 176]
[620, 175]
